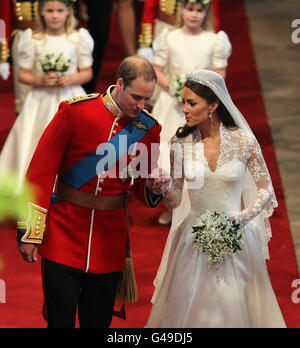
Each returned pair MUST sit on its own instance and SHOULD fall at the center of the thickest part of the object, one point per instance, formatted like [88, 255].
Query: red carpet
[244, 86]
[23, 284]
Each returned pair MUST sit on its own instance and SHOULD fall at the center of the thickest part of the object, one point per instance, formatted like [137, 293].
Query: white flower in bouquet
[62, 64]
[55, 62]
[217, 236]
[176, 86]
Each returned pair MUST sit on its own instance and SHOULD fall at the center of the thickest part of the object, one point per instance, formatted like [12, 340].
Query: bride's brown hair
[210, 97]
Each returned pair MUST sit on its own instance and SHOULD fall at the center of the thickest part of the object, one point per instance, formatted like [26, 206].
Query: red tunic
[5, 27]
[91, 240]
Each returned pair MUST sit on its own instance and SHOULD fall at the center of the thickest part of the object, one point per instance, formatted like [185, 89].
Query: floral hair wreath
[66, 2]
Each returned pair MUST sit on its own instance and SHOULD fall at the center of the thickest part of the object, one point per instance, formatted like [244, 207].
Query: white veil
[261, 223]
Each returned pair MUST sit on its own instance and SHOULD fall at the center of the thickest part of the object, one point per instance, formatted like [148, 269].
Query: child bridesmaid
[55, 60]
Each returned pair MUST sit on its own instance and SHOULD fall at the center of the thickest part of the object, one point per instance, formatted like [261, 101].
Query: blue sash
[85, 170]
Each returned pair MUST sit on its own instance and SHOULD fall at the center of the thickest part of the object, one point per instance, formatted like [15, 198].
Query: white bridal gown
[41, 104]
[180, 53]
[239, 293]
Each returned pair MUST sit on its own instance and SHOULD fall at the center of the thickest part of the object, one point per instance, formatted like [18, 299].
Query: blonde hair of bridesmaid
[70, 25]
[208, 20]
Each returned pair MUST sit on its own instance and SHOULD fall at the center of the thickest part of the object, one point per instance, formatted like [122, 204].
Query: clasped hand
[158, 181]
[52, 78]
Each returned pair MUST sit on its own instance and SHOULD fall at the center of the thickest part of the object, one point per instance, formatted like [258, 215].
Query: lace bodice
[220, 189]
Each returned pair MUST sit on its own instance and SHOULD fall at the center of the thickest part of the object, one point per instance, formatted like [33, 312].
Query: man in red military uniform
[83, 234]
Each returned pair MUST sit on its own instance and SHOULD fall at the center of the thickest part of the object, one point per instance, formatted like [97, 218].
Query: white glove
[147, 53]
[4, 70]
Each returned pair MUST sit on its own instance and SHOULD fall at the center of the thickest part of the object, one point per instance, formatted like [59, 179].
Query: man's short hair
[134, 67]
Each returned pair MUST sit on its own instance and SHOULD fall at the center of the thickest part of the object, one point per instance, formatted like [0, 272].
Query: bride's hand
[158, 182]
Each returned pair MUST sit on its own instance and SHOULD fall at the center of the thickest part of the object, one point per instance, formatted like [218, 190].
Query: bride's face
[195, 108]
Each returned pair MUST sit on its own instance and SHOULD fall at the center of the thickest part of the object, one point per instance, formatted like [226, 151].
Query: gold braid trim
[33, 230]
[168, 6]
[146, 36]
[26, 10]
[4, 51]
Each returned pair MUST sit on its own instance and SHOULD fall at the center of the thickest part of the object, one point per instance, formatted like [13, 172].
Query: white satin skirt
[238, 294]
[39, 108]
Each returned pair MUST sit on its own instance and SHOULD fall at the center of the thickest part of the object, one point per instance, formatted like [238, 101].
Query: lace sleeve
[173, 196]
[259, 171]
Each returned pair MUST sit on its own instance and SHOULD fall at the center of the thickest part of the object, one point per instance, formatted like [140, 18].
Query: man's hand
[158, 182]
[28, 251]
[147, 53]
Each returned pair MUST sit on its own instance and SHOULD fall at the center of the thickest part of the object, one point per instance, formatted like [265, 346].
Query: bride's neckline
[216, 164]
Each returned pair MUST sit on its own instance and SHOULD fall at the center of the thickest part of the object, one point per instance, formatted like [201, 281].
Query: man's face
[134, 98]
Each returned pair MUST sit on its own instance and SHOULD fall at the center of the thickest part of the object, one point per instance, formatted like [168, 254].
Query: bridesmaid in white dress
[56, 36]
[225, 160]
[181, 51]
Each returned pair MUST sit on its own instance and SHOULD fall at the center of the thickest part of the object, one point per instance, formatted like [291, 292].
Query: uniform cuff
[152, 199]
[33, 230]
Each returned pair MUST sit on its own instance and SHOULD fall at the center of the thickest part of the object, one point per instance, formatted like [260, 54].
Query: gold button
[114, 131]
[101, 181]
[99, 189]
[117, 124]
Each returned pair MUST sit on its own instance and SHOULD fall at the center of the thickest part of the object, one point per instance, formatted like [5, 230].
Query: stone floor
[278, 63]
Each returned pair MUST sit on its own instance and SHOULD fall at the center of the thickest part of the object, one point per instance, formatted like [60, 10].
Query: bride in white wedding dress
[223, 170]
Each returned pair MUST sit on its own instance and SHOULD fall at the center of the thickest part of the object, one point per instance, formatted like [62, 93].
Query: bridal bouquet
[55, 62]
[176, 86]
[217, 236]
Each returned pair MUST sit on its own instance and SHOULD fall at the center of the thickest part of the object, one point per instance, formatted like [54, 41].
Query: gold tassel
[127, 288]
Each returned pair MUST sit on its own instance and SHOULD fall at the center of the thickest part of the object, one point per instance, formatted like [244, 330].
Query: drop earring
[210, 115]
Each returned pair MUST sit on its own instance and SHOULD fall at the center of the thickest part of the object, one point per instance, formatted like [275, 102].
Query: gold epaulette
[150, 115]
[146, 36]
[4, 51]
[82, 98]
[33, 230]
